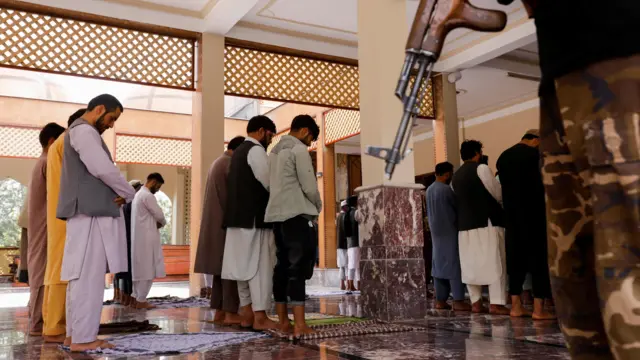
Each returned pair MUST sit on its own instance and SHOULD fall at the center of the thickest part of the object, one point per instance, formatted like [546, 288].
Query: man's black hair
[48, 132]
[235, 142]
[305, 121]
[469, 149]
[76, 115]
[109, 101]
[260, 122]
[530, 137]
[157, 177]
[443, 168]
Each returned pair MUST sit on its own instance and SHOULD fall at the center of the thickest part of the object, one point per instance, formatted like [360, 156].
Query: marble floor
[447, 336]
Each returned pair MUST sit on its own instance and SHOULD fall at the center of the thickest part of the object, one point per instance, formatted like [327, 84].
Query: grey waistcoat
[81, 192]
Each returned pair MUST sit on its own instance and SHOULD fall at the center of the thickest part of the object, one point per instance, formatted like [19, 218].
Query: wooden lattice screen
[340, 124]
[53, 44]
[20, 142]
[274, 76]
[135, 149]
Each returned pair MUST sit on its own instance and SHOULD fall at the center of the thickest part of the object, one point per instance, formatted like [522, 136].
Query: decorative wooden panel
[20, 142]
[152, 150]
[269, 75]
[340, 124]
[355, 173]
[53, 44]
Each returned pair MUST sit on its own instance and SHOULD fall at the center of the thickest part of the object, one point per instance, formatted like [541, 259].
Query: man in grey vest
[92, 192]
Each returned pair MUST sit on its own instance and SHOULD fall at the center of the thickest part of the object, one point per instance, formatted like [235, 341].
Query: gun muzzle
[405, 75]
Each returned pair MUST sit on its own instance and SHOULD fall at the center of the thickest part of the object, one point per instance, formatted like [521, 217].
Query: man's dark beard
[264, 142]
[100, 124]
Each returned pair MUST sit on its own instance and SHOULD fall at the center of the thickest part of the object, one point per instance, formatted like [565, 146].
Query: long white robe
[94, 245]
[111, 231]
[147, 260]
[249, 254]
[482, 255]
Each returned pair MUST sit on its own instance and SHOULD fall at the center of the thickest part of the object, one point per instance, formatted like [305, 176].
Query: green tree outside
[12, 196]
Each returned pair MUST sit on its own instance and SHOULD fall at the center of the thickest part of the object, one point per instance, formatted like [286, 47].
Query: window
[166, 232]
[12, 197]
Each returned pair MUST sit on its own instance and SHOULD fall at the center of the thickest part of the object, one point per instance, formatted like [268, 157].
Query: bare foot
[89, 346]
[498, 310]
[302, 329]
[286, 328]
[144, 305]
[478, 308]
[519, 311]
[67, 342]
[35, 333]
[232, 319]
[106, 345]
[442, 305]
[55, 339]
[264, 324]
[461, 305]
[218, 317]
[247, 316]
[543, 315]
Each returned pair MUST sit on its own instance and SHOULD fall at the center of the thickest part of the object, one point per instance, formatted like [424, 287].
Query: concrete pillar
[391, 233]
[327, 240]
[208, 131]
[445, 128]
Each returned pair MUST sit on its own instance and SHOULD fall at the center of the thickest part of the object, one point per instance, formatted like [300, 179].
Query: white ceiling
[192, 5]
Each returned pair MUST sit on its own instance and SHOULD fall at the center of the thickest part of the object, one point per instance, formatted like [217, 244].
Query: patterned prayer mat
[308, 316]
[351, 328]
[172, 344]
[172, 302]
[133, 326]
[549, 339]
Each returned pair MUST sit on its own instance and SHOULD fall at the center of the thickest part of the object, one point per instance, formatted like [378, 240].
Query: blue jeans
[446, 286]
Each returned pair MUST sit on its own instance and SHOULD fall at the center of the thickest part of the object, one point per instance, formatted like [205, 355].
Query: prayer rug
[127, 327]
[172, 302]
[548, 339]
[352, 328]
[308, 316]
[172, 344]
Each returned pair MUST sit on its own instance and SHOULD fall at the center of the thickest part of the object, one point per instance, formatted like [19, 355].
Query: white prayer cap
[135, 183]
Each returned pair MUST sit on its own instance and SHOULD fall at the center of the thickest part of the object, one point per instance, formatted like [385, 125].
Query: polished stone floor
[447, 336]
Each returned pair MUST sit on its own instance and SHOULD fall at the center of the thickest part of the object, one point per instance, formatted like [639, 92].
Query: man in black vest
[249, 253]
[481, 229]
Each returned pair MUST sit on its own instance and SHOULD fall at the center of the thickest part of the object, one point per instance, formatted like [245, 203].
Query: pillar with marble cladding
[391, 233]
[208, 132]
[445, 127]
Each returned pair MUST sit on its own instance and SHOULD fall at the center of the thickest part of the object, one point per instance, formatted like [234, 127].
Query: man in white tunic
[147, 261]
[249, 252]
[481, 230]
[92, 192]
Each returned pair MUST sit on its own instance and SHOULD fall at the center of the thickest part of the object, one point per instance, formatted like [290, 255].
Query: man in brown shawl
[37, 230]
[224, 298]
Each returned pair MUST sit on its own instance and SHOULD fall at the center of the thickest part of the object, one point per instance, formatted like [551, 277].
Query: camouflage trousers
[590, 145]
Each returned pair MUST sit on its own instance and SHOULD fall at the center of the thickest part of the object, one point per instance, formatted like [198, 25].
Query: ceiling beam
[512, 65]
[225, 14]
[495, 46]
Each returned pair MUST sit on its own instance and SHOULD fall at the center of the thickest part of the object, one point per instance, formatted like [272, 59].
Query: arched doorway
[166, 232]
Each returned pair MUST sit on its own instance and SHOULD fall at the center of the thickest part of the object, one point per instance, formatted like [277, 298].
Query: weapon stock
[433, 22]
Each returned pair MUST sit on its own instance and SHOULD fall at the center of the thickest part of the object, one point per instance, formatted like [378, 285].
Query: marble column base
[392, 265]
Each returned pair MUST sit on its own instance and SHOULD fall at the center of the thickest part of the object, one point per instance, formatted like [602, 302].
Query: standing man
[443, 222]
[92, 192]
[344, 230]
[146, 248]
[589, 144]
[37, 230]
[249, 246]
[526, 224]
[294, 205]
[23, 223]
[122, 282]
[211, 242]
[55, 290]
[480, 230]
[353, 246]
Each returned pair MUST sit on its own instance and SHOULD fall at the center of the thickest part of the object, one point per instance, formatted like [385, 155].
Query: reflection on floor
[448, 336]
